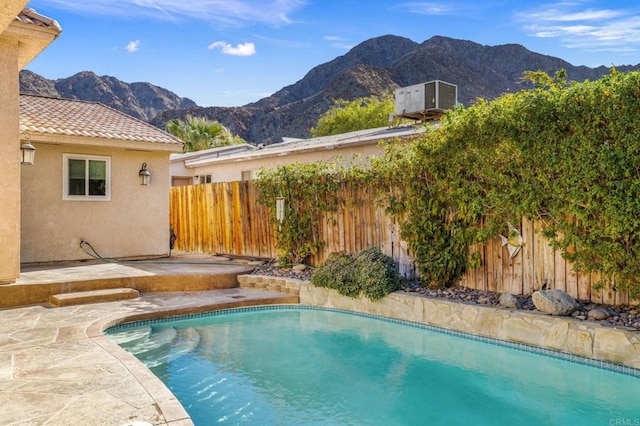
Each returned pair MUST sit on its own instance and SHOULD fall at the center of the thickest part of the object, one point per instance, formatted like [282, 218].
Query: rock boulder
[554, 302]
[598, 314]
[508, 300]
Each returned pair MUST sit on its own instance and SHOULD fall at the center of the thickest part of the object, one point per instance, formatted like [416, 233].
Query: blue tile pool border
[591, 362]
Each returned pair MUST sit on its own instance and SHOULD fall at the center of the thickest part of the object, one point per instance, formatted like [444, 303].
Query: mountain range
[374, 67]
[140, 100]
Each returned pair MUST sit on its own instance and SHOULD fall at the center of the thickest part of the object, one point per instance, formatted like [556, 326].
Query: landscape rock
[508, 300]
[463, 294]
[554, 302]
[299, 267]
[598, 314]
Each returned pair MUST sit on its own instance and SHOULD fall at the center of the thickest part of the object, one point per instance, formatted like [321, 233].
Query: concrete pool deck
[57, 368]
[38, 282]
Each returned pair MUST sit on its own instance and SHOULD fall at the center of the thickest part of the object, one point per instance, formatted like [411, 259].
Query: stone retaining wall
[585, 339]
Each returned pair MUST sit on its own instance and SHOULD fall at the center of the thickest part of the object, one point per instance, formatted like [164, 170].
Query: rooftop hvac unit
[419, 99]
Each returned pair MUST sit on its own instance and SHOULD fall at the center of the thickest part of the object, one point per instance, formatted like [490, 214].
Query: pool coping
[590, 362]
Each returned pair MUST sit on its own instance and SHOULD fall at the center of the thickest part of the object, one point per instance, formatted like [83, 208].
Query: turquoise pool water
[293, 366]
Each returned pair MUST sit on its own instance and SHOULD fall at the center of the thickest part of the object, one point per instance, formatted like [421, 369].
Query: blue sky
[232, 52]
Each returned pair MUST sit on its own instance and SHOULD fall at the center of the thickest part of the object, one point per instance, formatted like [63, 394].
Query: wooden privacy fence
[225, 218]
[221, 218]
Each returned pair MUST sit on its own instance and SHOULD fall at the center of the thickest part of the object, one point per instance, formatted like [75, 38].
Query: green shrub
[369, 272]
[375, 273]
[336, 273]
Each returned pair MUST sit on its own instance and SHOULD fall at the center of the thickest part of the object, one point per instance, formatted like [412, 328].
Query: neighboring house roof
[294, 146]
[212, 152]
[72, 121]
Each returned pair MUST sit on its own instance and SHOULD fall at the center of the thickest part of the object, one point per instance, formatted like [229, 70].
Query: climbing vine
[308, 191]
[564, 153]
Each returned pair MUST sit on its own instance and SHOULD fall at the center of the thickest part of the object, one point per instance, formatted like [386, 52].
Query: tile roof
[30, 16]
[54, 116]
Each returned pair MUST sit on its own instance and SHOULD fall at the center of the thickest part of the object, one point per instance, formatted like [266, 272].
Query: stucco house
[246, 163]
[23, 35]
[181, 175]
[99, 176]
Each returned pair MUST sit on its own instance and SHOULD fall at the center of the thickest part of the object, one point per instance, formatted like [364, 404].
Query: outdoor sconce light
[145, 176]
[27, 152]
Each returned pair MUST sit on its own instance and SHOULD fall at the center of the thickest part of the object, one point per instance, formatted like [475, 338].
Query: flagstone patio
[57, 368]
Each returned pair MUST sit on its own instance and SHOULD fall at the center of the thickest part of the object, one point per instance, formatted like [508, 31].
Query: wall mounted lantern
[27, 152]
[145, 176]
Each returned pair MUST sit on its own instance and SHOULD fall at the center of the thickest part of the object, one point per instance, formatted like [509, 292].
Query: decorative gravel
[274, 271]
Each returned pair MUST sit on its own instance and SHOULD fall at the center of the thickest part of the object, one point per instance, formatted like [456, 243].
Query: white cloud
[242, 49]
[428, 8]
[563, 15]
[133, 46]
[224, 12]
[338, 42]
[580, 27]
[281, 42]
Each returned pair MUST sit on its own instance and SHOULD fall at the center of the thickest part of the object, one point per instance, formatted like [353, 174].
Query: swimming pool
[300, 365]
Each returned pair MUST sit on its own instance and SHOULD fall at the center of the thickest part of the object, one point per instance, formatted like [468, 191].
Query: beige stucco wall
[228, 170]
[9, 162]
[134, 223]
[180, 175]
[177, 168]
[9, 9]
[19, 43]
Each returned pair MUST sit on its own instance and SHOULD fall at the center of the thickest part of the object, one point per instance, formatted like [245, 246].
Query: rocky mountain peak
[140, 100]
[373, 67]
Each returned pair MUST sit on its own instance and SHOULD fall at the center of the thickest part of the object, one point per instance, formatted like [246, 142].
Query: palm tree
[199, 133]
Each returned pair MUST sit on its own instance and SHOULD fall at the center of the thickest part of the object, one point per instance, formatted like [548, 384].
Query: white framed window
[246, 175]
[86, 177]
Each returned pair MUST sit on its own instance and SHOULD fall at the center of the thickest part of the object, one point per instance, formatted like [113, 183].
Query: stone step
[130, 337]
[158, 345]
[185, 341]
[93, 296]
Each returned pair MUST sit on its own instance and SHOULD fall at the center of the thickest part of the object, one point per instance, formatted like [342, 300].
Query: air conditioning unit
[434, 96]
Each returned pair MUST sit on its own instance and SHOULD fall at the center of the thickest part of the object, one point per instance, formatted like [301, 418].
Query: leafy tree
[359, 114]
[199, 133]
